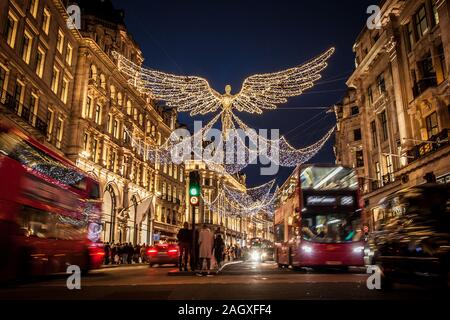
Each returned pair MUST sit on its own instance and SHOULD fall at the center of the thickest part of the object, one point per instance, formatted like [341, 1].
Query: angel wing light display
[259, 92]
[194, 94]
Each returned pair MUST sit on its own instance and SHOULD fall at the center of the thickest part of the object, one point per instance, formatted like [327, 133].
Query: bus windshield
[332, 228]
[328, 178]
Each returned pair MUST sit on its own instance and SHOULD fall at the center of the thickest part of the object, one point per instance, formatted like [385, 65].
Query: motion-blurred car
[411, 241]
[160, 254]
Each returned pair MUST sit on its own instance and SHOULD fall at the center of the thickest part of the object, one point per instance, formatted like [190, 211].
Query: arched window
[129, 107]
[93, 72]
[119, 99]
[103, 81]
[112, 92]
[109, 214]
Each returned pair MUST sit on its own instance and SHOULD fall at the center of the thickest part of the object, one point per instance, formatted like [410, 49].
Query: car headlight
[358, 249]
[255, 256]
[307, 249]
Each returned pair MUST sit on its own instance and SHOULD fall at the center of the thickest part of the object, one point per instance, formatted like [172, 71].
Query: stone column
[394, 51]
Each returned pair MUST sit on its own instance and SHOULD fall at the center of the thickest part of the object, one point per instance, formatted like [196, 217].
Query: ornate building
[62, 87]
[38, 55]
[393, 123]
[110, 124]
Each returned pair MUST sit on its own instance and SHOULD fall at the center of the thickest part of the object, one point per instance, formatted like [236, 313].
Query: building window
[103, 81]
[87, 108]
[384, 127]
[34, 4]
[34, 105]
[26, 47]
[432, 125]
[373, 130]
[410, 36]
[93, 72]
[378, 172]
[370, 95]
[18, 96]
[59, 132]
[46, 20]
[381, 84]
[95, 150]
[69, 54]
[86, 141]
[109, 124]
[359, 159]
[98, 114]
[3, 74]
[435, 12]
[40, 62]
[50, 120]
[441, 56]
[116, 129]
[389, 166]
[355, 110]
[60, 41]
[11, 29]
[64, 90]
[357, 135]
[129, 108]
[420, 22]
[55, 80]
[119, 99]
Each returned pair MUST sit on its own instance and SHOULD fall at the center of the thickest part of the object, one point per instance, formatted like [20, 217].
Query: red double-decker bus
[318, 219]
[50, 211]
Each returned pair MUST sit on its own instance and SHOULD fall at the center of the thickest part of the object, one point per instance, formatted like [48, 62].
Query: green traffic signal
[194, 191]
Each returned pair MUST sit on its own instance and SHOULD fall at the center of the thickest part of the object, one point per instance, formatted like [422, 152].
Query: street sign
[194, 201]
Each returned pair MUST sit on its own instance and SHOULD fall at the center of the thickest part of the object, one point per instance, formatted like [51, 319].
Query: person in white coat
[206, 243]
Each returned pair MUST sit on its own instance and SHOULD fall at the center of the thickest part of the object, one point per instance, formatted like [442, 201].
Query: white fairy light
[194, 94]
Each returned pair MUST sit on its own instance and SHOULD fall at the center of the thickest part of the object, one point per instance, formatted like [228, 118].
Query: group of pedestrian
[209, 248]
[125, 253]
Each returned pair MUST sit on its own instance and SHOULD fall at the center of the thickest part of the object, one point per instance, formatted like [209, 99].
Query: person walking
[184, 237]
[206, 243]
[143, 253]
[130, 253]
[219, 246]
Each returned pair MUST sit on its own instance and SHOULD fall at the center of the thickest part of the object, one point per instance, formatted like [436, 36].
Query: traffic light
[194, 188]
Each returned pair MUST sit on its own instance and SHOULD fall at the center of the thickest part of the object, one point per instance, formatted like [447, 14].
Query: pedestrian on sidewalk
[206, 246]
[219, 246]
[143, 253]
[184, 243]
[107, 249]
[130, 250]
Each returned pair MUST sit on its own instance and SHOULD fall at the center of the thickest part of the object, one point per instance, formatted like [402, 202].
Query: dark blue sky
[227, 41]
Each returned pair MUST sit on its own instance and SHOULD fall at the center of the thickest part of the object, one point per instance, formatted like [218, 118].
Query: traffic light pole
[194, 242]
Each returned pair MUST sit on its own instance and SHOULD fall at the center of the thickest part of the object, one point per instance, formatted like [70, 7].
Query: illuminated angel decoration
[194, 94]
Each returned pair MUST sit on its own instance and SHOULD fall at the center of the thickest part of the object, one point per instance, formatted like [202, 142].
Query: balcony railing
[13, 105]
[433, 144]
[422, 85]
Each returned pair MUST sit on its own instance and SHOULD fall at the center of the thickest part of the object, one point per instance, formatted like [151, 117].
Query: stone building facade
[38, 55]
[61, 86]
[393, 123]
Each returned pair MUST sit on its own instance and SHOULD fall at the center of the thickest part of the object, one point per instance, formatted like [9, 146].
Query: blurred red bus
[50, 211]
[318, 219]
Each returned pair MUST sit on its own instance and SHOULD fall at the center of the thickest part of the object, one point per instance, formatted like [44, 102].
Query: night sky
[227, 41]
